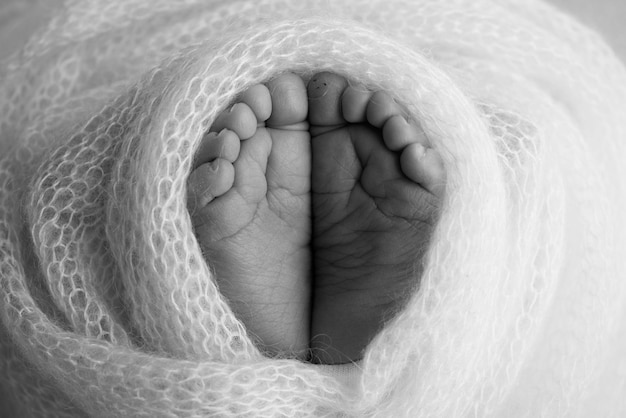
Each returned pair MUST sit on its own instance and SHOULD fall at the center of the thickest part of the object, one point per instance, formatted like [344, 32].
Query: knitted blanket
[108, 308]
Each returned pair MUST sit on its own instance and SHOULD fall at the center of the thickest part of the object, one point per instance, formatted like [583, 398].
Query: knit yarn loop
[108, 307]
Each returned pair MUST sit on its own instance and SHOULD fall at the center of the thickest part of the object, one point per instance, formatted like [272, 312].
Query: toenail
[213, 166]
[318, 89]
[420, 150]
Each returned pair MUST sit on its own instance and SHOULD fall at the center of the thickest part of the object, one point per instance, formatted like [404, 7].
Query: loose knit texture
[108, 308]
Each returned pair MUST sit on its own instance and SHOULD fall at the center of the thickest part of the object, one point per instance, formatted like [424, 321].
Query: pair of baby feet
[315, 206]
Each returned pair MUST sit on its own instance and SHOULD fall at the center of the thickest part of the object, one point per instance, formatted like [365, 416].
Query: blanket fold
[108, 307]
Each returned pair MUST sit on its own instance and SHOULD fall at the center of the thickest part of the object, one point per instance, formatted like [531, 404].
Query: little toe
[225, 145]
[258, 98]
[425, 167]
[240, 119]
[208, 181]
[398, 133]
[289, 101]
[354, 103]
[324, 96]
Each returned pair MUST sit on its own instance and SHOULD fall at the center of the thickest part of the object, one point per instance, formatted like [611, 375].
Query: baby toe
[209, 181]
[240, 119]
[225, 145]
[258, 98]
[425, 167]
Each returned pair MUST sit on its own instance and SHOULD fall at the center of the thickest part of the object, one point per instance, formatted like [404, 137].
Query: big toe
[207, 182]
[289, 102]
[324, 93]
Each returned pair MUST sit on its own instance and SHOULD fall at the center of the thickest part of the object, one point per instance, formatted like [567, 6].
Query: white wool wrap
[108, 308]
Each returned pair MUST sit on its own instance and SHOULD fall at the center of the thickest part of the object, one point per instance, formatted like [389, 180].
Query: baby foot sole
[376, 192]
[249, 200]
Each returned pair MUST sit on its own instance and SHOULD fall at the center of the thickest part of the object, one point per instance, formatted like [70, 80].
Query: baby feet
[249, 200]
[374, 188]
[376, 192]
